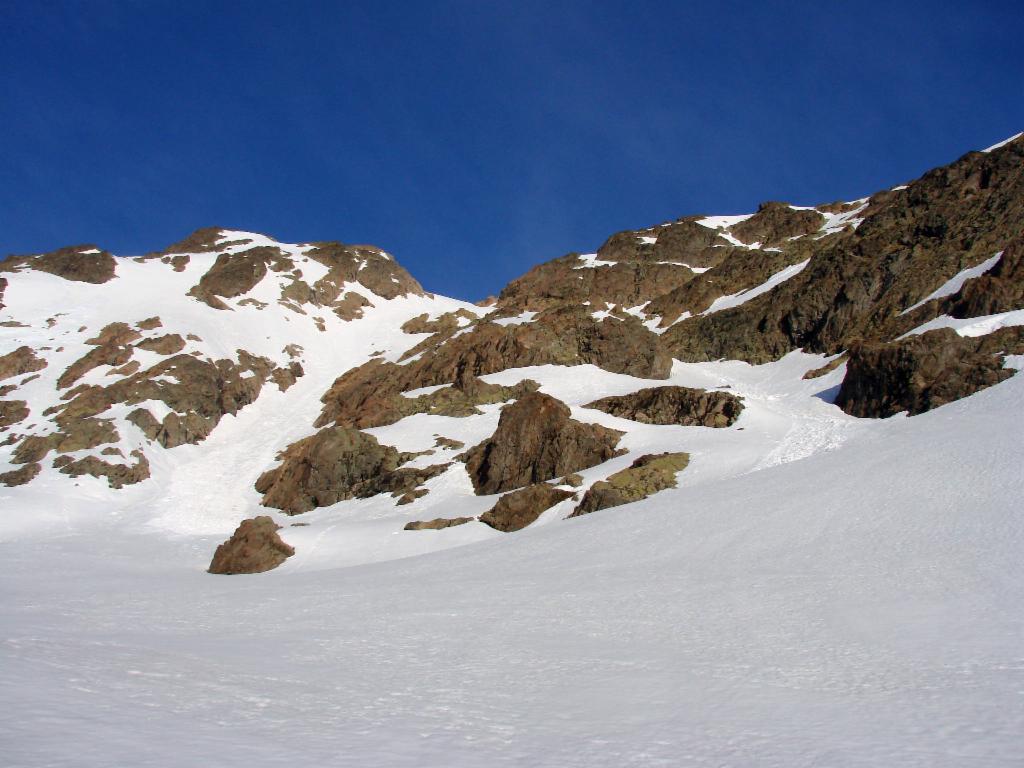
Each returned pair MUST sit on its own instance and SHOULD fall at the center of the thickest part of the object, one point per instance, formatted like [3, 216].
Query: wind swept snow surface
[854, 601]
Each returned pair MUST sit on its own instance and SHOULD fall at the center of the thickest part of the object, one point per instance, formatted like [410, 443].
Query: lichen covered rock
[645, 476]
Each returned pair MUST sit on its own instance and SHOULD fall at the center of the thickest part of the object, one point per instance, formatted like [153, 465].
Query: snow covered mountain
[697, 535]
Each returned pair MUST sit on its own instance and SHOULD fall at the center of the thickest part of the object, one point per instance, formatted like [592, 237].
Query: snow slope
[818, 591]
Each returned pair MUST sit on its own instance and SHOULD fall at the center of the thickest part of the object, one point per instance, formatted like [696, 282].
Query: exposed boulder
[536, 440]
[254, 547]
[674, 405]
[330, 466]
[437, 524]
[21, 360]
[922, 372]
[645, 476]
[516, 510]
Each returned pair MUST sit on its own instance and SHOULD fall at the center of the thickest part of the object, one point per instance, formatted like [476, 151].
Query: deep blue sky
[475, 139]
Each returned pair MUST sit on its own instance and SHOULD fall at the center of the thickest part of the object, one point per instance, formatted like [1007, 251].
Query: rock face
[330, 466]
[923, 372]
[516, 510]
[648, 474]
[674, 405]
[254, 547]
[536, 440]
[860, 279]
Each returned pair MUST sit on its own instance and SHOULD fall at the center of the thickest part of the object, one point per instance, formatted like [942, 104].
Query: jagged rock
[20, 361]
[536, 440]
[254, 547]
[645, 476]
[437, 524]
[118, 475]
[516, 510]
[149, 324]
[573, 480]
[1001, 289]
[860, 280]
[327, 467]
[20, 476]
[922, 372]
[74, 262]
[11, 412]
[674, 405]
[169, 344]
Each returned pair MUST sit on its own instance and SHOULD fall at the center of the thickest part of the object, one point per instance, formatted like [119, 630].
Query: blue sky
[476, 139]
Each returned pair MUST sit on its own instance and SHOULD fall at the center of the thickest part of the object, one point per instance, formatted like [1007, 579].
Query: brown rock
[70, 263]
[169, 344]
[536, 440]
[11, 412]
[20, 476]
[516, 510]
[674, 405]
[437, 524]
[330, 466]
[923, 372]
[149, 324]
[118, 475]
[254, 547]
[22, 360]
[647, 475]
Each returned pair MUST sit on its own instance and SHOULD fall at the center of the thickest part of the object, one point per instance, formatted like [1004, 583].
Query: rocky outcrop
[645, 476]
[1001, 289]
[12, 412]
[117, 475]
[775, 223]
[370, 395]
[536, 440]
[254, 547]
[80, 263]
[674, 405]
[859, 281]
[922, 372]
[330, 466]
[516, 510]
[234, 274]
[21, 475]
[22, 360]
[336, 464]
[112, 347]
[169, 344]
[437, 524]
